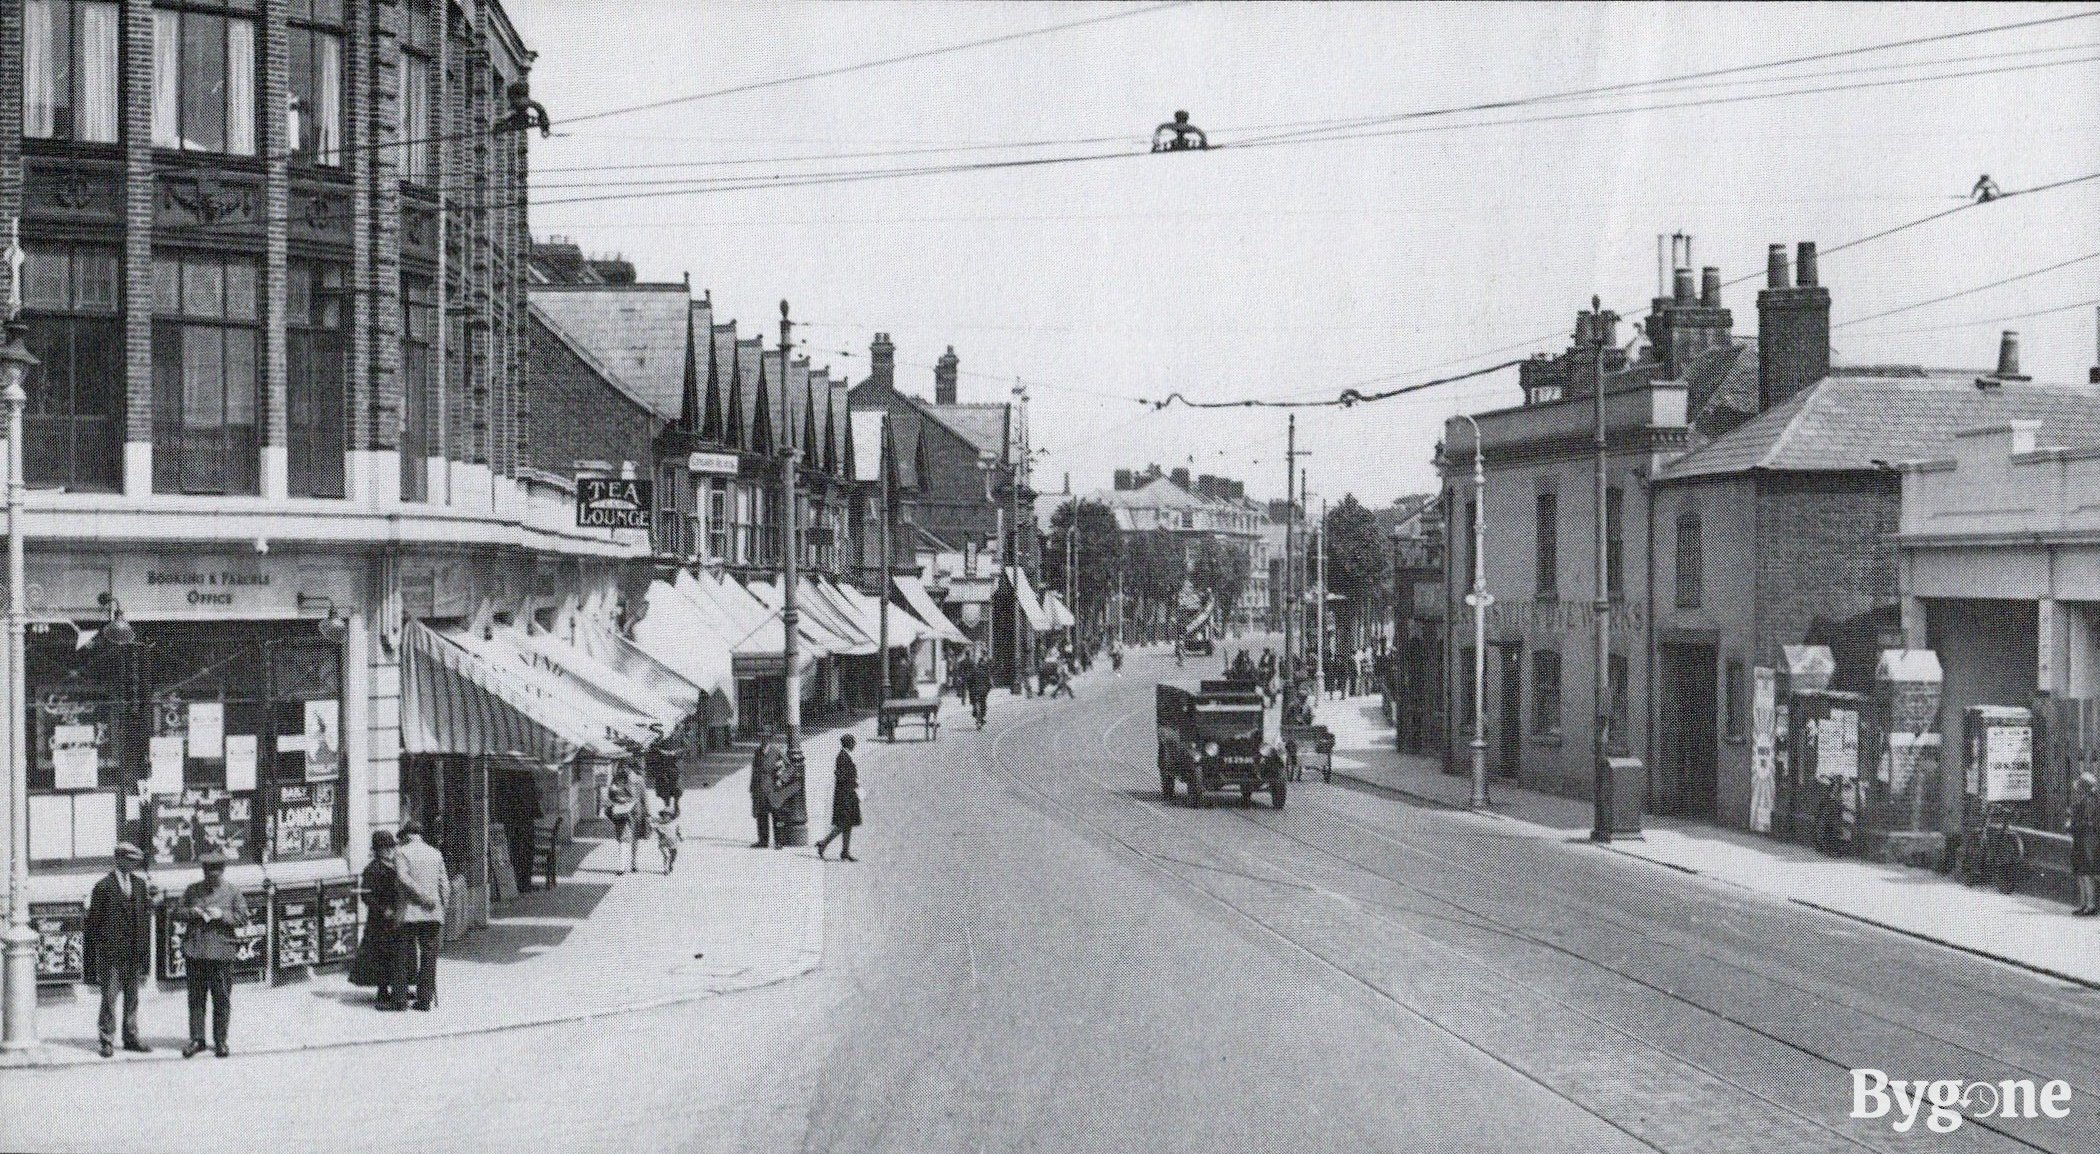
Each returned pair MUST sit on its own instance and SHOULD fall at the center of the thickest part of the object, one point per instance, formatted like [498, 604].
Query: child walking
[667, 837]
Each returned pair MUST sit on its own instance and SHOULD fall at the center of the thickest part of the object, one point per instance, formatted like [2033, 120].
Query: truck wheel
[1276, 793]
[1166, 785]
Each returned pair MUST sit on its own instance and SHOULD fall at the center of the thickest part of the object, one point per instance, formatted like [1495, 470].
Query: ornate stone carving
[206, 200]
[72, 192]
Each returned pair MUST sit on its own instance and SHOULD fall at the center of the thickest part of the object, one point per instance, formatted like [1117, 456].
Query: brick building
[281, 430]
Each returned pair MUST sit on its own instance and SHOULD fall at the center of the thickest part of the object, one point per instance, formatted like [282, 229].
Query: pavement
[601, 942]
[2031, 932]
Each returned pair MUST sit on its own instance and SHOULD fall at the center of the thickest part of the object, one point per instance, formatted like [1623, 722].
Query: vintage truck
[1223, 735]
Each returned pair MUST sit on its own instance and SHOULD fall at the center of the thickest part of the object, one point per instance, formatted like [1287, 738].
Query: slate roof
[747, 353]
[1848, 421]
[984, 426]
[582, 353]
[636, 332]
[1721, 385]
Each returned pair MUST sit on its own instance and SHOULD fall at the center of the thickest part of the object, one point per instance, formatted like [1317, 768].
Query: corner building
[277, 427]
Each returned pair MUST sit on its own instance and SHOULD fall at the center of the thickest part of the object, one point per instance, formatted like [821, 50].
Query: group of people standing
[767, 762]
[406, 891]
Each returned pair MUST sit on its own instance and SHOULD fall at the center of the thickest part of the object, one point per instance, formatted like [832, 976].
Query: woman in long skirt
[2084, 825]
[845, 801]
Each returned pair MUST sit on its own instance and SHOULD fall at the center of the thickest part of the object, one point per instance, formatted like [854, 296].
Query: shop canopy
[1038, 621]
[820, 598]
[555, 676]
[921, 603]
[753, 627]
[904, 628]
[455, 701]
[680, 637]
[607, 683]
[1060, 617]
[820, 636]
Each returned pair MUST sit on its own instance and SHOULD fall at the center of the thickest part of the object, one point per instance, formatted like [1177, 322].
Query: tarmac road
[1038, 953]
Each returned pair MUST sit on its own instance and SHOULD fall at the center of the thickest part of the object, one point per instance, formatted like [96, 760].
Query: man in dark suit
[119, 946]
[213, 908]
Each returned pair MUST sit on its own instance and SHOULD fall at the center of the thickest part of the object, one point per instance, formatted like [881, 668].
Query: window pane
[95, 279]
[300, 98]
[240, 87]
[43, 53]
[298, 293]
[326, 111]
[99, 29]
[167, 286]
[203, 288]
[243, 464]
[203, 82]
[98, 404]
[167, 407]
[45, 277]
[240, 291]
[203, 410]
[167, 79]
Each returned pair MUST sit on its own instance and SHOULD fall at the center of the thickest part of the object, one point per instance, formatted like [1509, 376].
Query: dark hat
[129, 852]
[382, 839]
[212, 857]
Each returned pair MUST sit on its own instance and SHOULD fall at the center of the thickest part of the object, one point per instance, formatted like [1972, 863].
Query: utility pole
[1071, 556]
[1019, 479]
[1601, 823]
[1480, 601]
[883, 598]
[791, 812]
[1320, 607]
[18, 942]
[1290, 542]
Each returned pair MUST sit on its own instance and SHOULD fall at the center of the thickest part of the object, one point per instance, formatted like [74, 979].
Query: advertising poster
[75, 755]
[164, 764]
[61, 940]
[207, 729]
[323, 740]
[240, 762]
[303, 822]
[1764, 719]
[1912, 757]
[338, 921]
[298, 915]
[2008, 763]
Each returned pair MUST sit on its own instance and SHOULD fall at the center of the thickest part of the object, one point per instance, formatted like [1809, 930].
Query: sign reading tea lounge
[613, 502]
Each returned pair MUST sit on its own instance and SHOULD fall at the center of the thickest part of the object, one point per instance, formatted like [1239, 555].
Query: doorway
[1512, 711]
[1687, 734]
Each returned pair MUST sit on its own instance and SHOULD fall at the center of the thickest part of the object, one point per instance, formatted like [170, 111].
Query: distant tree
[1356, 557]
[1097, 548]
[1220, 572]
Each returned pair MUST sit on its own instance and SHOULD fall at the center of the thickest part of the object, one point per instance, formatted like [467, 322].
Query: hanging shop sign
[61, 941]
[714, 464]
[613, 502]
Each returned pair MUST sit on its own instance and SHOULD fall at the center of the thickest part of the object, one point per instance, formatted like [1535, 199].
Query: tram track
[1476, 919]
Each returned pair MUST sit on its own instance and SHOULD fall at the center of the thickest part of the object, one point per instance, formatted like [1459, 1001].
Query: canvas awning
[820, 632]
[681, 656]
[1201, 619]
[921, 604]
[1060, 617]
[559, 670]
[843, 616]
[458, 701]
[1038, 621]
[904, 628]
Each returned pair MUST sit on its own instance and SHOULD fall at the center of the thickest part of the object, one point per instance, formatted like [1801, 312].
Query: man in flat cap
[213, 909]
[119, 945]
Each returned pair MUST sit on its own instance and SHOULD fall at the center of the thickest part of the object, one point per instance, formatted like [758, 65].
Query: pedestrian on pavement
[662, 763]
[667, 837]
[514, 795]
[765, 771]
[845, 801]
[426, 887]
[119, 945]
[377, 961]
[2084, 824]
[980, 689]
[623, 808]
[211, 910]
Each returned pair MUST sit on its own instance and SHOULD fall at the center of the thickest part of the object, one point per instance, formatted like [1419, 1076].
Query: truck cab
[1223, 735]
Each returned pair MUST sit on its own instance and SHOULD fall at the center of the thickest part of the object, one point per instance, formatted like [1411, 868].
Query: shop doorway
[1687, 733]
[1511, 737]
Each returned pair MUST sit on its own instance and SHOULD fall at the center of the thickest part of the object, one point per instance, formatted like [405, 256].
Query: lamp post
[18, 1032]
[1480, 601]
[791, 815]
[1602, 809]
[883, 604]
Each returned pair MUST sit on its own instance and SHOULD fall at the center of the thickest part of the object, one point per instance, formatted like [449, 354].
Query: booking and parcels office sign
[613, 502]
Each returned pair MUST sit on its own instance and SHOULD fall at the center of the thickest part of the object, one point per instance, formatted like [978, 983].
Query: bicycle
[2001, 855]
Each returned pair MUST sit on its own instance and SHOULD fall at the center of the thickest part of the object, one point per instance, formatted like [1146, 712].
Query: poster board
[297, 914]
[1764, 722]
[185, 825]
[2008, 762]
[302, 821]
[1837, 744]
[339, 910]
[61, 941]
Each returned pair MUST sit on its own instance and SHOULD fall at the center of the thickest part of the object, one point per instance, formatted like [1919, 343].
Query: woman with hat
[119, 945]
[2084, 824]
[377, 953]
[211, 910]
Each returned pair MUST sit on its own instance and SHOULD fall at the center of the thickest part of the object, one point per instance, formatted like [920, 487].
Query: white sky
[1284, 270]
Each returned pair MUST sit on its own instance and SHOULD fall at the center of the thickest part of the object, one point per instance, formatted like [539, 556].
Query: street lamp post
[1604, 803]
[18, 1032]
[1480, 601]
[791, 816]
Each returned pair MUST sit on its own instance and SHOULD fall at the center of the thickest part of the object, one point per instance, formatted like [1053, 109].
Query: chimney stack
[944, 378]
[1180, 477]
[1125, 480]
[2008, 362]
[882, 361]
[1710, 288]
[1682, 286]
[1793, 328]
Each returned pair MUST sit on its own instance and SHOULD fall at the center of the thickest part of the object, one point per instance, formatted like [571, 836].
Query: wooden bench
[546, 851]
[923, 711]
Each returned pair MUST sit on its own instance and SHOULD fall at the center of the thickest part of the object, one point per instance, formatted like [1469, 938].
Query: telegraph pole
[883, 598]
[1320, 606]
[791, 812]
[1601, 823]
[1290, 542]
[1020, 472]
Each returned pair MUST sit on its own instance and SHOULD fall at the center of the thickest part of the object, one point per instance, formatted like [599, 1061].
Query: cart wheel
[1276, 793]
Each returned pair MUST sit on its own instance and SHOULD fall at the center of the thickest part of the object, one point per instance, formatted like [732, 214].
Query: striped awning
[821, 634]
[904, 628]
[1038, 621]
[456, 702]
[921, 604]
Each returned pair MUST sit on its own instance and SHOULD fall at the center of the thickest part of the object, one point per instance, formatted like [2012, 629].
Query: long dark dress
[845, 792]
[2085, 835]
[382, 940]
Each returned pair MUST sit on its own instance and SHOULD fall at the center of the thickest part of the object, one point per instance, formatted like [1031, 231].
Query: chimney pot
[1805, 264]
[1682, 286]
[1710, 287]
[1775, 267]
[2009, 356]
[1582, 328]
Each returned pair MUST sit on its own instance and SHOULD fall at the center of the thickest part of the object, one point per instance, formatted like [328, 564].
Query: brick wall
[577, 416]
[1825, 548]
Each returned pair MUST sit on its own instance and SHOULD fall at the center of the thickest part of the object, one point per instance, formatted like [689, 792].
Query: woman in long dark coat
[2084, 825]
[381, 887]
[845, 801]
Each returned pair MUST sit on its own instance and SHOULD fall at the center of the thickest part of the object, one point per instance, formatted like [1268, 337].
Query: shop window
[418, 415]
[717, 519]
[1545, 693]
[1691, 561]
[317, 351]
[219, 735]
[204, 77]
[206, 382]
[70, 69]
[74, 424]
[1548, 545]
[315, 43]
